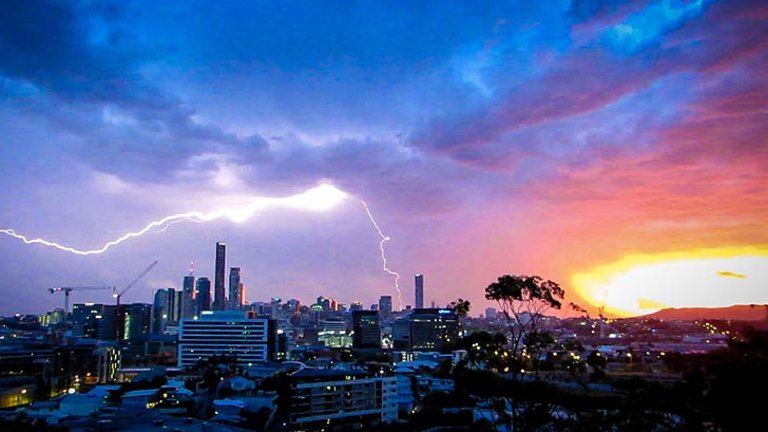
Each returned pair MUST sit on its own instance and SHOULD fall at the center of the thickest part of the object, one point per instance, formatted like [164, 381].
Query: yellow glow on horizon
[643, 284]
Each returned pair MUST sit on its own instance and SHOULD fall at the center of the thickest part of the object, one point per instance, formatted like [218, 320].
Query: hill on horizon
[735, 312]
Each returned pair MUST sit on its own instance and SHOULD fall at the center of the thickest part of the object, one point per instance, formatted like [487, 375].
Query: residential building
[322, 397]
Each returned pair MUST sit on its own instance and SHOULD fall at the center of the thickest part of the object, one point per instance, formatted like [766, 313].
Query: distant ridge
[735, 312]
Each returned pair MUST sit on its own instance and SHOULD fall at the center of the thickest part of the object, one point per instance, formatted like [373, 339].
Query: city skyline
[618, 149]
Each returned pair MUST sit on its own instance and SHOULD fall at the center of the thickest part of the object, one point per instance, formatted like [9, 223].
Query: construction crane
[67, 290]
[118, 295]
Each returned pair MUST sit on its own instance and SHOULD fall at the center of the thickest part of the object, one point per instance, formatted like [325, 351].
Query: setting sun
[642, 284]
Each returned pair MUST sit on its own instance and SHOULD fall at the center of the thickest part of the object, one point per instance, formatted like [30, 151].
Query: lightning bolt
[384, 239]
[319, 198]
[163, 224]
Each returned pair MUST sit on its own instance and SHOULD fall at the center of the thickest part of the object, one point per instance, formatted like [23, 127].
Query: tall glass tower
[419, 304]
[235, 302]
[219, 299]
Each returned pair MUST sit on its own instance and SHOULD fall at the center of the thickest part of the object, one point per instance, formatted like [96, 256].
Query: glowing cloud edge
[319, 198]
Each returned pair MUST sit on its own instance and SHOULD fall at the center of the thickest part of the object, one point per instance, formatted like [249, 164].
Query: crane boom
[68, 289]
[118, 295]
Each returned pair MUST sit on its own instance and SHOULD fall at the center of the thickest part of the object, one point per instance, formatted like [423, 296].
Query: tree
[461, 307]
[486, 351]
[523, 300]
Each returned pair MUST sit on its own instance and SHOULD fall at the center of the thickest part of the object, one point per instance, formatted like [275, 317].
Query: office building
[85, 321]
[203, 295]
[165, 310]
[401, 334]
[385, 306]
[235, 289]
[431, 329]
[333, 333]
[108, 322]
[188, 306]
[323, 398]
[366, 329]
[490, 313]
[137, 321]
[419, 291]
[219, 299]
[227, 333]
[160, 311]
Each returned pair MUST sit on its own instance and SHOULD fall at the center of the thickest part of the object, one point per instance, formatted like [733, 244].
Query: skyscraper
[203, 295]
[188, 307]
[419, 303]
[165, 310]
[219, 299]
[160, 311]
[138, 317]
[385, 306]
[235, 300]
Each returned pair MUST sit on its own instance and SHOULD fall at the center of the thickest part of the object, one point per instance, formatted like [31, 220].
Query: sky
[618, 148]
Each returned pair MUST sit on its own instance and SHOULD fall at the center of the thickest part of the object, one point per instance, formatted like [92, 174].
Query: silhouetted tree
[461, 307]
[523, 300]
[487, 351]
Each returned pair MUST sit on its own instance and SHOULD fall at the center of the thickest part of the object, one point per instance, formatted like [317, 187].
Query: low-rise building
[348, 397]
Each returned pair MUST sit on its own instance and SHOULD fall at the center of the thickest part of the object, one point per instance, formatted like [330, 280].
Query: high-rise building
[188, 307]
[219, 299]
[203, 296]
[160, 312]
[108, 323]
[227, 333]
[175, 306]
[138, 318]
[235, 287]
[419, 280]
[85, 318]
[366, 329]
[490, 313]
[165, 310]
[433, 328]
[385, 306]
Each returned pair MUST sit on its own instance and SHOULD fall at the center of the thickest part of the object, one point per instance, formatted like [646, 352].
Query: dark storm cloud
[590, 77]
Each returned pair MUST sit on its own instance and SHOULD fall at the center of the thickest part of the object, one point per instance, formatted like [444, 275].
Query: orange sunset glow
[643, 284]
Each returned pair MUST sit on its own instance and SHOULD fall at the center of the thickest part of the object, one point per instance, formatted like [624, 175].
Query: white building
[320, 396]
[226, 333]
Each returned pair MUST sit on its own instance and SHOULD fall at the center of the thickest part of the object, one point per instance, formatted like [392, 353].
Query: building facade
[219, 299]
[226, 333]
[385, 306]
[431, 329]
[188, 306]
[235, 289]
[366, 329]
[203, 296]
[419, 291]
[331, 397]
[138, 319]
